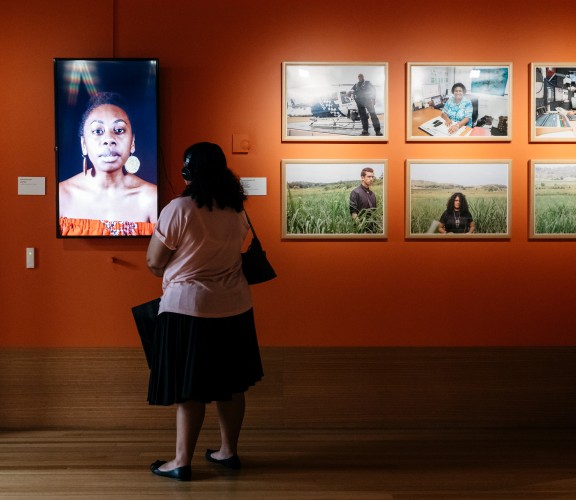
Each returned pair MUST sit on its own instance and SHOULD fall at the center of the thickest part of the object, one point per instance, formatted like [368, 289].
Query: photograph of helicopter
[334, 102]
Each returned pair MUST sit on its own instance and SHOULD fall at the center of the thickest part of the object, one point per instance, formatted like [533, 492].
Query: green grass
[488, 209]
[326, 210]
[555, 210]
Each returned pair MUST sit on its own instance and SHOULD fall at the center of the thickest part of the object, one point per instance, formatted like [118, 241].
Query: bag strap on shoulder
[250, 224]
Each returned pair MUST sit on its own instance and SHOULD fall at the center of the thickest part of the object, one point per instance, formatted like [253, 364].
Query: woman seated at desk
[457, 111]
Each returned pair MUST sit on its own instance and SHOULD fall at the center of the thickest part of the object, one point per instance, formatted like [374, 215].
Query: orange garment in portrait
[92, 227]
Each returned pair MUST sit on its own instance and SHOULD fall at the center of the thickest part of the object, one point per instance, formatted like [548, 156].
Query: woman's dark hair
[456, 85]
[101, 99]
[210, 178]
[463, 203]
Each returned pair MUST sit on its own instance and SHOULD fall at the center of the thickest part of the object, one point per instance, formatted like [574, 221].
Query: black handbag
[255, 265]
[145, 316]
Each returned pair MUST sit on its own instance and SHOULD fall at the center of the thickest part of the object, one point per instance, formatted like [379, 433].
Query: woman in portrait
[206, 347]
[457, 217]
[106, 198]
[457, 112]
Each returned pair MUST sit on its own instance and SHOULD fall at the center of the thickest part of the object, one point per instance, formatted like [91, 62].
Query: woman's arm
[157, 256]
[442, 225]
[472, 227]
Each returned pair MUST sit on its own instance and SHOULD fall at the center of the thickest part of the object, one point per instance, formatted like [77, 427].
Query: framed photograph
[459, 102]
[553, 199]
[447, 199]
[553, 102]
[106, 114]
[344, 102]
[334, 199]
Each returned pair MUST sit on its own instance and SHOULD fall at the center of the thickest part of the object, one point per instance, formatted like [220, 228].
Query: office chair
[474, 100]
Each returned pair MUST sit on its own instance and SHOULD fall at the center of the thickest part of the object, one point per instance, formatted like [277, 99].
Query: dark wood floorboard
[309, 464]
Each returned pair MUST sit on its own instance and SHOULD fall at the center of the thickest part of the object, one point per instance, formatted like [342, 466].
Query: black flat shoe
[179, 473]
[232, 463]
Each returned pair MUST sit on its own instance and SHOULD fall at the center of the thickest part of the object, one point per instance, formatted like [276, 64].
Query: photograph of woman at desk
[458, 102]
[457, 112]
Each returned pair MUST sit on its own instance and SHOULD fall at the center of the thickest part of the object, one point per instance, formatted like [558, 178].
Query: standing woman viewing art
[457, 217]
[206, 347]
[106, 197]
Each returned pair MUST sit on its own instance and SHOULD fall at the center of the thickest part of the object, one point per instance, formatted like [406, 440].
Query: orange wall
[220, 64]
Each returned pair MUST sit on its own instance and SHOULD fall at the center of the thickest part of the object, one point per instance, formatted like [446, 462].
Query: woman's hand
[453, 127]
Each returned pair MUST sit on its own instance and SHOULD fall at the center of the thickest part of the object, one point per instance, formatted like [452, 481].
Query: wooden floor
[303, 464]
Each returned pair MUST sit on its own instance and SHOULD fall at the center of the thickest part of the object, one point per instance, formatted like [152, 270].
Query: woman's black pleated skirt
[203, 359]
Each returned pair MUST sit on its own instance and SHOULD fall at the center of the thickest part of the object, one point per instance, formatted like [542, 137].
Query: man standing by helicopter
[365, 96]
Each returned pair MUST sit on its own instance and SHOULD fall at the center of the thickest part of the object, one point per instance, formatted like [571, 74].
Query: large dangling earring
[132, 164]
[84, 164]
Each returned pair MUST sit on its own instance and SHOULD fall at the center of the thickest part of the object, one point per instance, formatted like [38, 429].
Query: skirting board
[335, 387]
